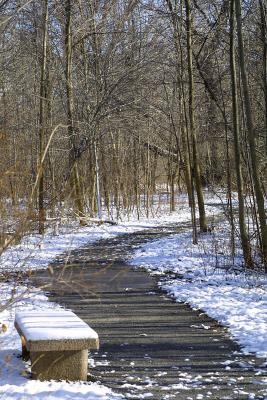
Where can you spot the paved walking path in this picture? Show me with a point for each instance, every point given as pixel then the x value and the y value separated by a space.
pixel 151 347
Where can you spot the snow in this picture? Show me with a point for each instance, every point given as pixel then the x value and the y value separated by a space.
pixel 56 391
pixel 206 280
pixel 53 325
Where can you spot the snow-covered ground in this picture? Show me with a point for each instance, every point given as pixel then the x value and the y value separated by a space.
pixel 36 252
pixel 203 276
pixel 190 273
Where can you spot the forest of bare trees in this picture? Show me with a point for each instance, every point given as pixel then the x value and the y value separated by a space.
pixel 106 103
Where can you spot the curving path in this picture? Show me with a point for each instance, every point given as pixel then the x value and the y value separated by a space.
pixel 151 347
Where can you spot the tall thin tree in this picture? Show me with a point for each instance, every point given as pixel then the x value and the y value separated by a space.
pixel 237 151
pixel 75 182
pixel 263 14
pixel 42 117
pixel 196 165
pixel 251 134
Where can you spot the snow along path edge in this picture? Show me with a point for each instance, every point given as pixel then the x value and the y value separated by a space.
pixel 37 252
pixel 190 274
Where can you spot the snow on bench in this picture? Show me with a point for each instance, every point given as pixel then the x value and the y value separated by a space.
pixel 57 343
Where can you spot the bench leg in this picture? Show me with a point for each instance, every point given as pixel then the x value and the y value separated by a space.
pixel 68 365
pixel 25 352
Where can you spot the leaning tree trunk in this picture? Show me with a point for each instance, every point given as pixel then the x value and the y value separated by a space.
pixel 196 166
pixel 251 137
pixel 236 128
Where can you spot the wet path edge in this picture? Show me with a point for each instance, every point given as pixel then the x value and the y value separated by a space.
pixel 151 346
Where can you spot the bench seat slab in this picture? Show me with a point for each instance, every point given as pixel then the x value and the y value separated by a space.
pixel 55 330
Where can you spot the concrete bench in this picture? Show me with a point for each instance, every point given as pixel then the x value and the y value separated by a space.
pixel 57 343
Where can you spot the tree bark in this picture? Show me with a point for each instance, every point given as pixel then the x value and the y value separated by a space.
pixel 251 135
pixel 263 13
pixel 42 118
pixel 74 178
pixel 196 167
pixel 237 152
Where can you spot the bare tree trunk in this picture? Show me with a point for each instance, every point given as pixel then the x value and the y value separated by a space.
pixel 186 166
pixel 236 128
pixel 187 151
pixel 75 184
pixel 251 136
pixel 99 207
pixel 196 166
pixel 180 73
pixel 42 118
pixel 263 12
pixel 97 75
